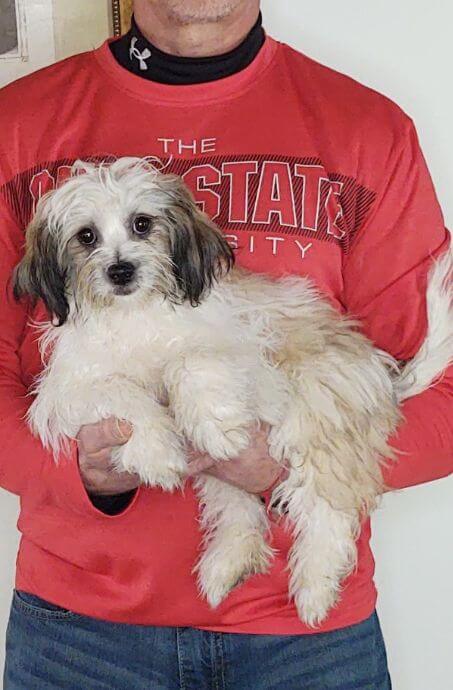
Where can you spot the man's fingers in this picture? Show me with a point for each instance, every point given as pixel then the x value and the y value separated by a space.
pixel 109 483
pixel 99 459
pixel 119 429
pixel 104 434
pixel 198 463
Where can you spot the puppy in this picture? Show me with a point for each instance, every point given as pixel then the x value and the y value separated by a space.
pixel 150 322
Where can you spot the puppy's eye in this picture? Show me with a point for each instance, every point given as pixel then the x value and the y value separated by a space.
pixel 86 236
pixel 142 225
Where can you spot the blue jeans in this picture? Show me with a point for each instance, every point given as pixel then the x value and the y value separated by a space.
pixel 48 648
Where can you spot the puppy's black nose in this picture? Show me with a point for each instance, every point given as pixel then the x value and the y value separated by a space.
pixel 121 273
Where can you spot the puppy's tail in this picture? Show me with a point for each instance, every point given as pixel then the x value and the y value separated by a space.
pixel 436 353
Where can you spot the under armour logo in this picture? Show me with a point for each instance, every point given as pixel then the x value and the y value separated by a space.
pixel 141 56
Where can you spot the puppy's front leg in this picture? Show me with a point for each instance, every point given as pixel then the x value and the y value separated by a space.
pixel 235 525
pixel 155 451
pixel 211 399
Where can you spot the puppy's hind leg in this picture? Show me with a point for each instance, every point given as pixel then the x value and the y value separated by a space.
pixel 235 526
pixel 324 549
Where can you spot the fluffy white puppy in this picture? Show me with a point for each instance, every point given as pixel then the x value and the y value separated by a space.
pixel 150 323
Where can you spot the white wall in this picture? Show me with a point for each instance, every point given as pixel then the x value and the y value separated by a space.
pixel 38 44
pixel 402 49
pixel 55 29
pixel 80 25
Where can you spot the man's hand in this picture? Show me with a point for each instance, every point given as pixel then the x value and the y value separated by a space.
pixel 254 470
pixel 95 443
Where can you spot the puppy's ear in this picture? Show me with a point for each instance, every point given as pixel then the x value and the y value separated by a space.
pixel 199 252
pixel 39 274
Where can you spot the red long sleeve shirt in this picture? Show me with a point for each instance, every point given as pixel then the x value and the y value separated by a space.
pixel 307 172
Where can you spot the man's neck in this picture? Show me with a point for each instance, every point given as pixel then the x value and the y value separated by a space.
pixel 194 39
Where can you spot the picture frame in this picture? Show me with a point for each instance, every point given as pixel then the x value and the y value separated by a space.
pixel 121 14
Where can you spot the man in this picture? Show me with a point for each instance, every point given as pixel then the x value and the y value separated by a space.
pixel 306 172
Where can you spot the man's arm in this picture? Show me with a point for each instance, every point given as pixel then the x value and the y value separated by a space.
pixel 22 457
pixel 23 460
pixel 385 279
pixel 424 441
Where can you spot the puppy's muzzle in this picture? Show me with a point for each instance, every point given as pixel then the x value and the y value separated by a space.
pixel 121 273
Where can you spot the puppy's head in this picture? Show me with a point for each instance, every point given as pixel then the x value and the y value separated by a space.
pixel 112 231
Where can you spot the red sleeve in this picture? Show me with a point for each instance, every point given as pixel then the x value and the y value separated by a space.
pixel 385 275
pixel 24 463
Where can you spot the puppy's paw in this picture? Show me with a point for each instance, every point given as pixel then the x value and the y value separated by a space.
pixel 226 443
pixel 280 446
pixel 221 439
pixel 314 602
pixel 288 440
pixel 224 566
pixel 158 460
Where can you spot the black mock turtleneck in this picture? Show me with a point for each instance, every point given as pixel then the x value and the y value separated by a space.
pixel 135 53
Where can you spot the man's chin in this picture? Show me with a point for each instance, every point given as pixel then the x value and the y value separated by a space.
pixel 206 12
